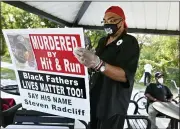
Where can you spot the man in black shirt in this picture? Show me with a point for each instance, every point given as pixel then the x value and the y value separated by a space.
pixel 156 92
pixel 115 63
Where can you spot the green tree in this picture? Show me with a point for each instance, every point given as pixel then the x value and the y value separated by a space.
pixel 163 55
pixel 160 51
pixel 95 35
pixel 15 18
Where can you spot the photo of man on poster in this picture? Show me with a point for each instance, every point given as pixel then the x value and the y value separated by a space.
pixel 22 51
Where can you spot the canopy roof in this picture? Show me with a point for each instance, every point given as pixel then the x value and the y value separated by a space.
pixel 141 17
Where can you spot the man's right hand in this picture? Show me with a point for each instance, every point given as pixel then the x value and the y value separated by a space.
pixel 87 57
pixel 151 98
pixel 169 100
pixel 155 100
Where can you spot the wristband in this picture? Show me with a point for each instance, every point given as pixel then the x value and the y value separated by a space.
pixel 99 65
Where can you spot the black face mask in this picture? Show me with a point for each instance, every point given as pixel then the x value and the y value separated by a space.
pixel 111 29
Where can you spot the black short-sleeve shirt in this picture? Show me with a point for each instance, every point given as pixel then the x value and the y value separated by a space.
pixel 109 97
pixel 158 91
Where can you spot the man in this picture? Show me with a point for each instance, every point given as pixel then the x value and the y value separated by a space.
pixel 22 52
pixel 115 64
pixel 156 92
pixel 147 74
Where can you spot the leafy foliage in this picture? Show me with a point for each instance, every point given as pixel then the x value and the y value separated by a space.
pixel 15 18
pixel 160 51
pixel 163 55
pixel 95 35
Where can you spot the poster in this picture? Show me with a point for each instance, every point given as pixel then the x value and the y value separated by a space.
pixel 50 78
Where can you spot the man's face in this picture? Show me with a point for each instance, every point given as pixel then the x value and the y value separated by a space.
pixel 112 18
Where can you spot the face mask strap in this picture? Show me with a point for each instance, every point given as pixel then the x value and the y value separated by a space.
pixel 117 26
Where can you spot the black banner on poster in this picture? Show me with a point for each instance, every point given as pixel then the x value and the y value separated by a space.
pixel 56 84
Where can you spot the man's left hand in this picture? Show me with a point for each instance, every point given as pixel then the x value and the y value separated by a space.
pixel 169 100
pixel 86 57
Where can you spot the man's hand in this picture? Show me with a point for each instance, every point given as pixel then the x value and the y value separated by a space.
pixel 151 98
pixel 169 100
pixel 86 57
pixel 157 100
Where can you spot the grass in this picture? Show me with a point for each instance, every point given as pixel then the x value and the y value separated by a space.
pixel 139 86
pixel 6 59
pixel 8 74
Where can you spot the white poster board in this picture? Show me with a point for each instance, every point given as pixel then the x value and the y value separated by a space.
pixel 50 78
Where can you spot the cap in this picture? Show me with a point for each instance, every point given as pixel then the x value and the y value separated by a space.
pixel 158 74
pixel 119 11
